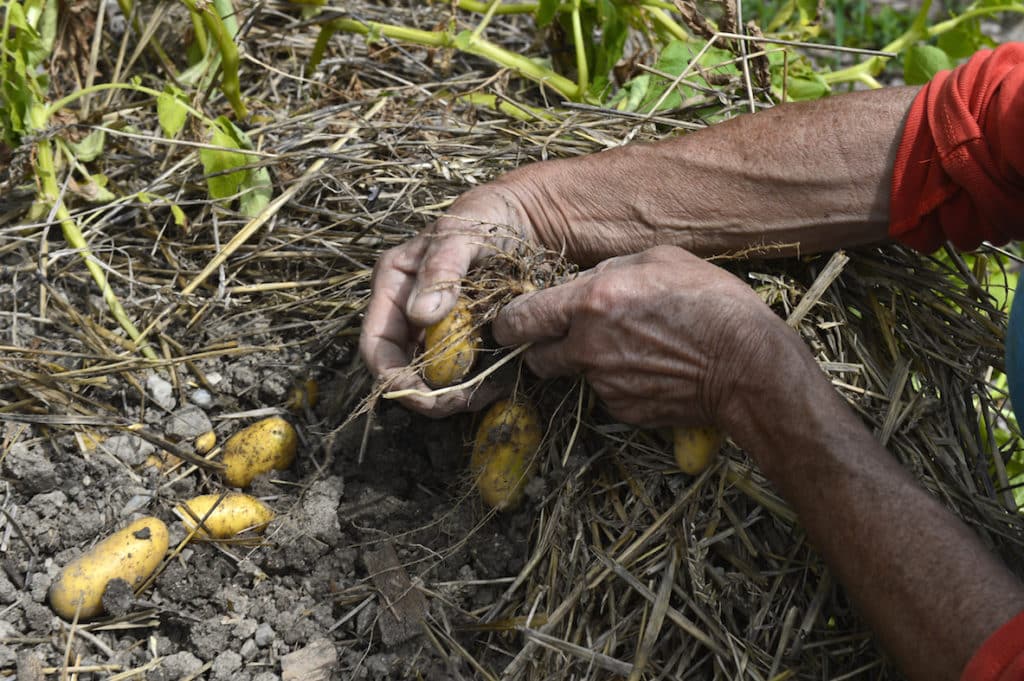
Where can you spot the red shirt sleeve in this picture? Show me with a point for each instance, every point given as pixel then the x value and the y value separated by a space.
pixel 1001 657
pixel 959 170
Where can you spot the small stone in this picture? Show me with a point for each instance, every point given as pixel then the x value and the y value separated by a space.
pixel 264 635
pixel 187 423
pixel 201 397
pixel 161 391
pixel 226 664
pixel 136 504
pixel 249 649
pixel 130 449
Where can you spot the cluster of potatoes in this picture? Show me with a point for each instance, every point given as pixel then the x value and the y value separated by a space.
pixel 134 552
pixel 510 433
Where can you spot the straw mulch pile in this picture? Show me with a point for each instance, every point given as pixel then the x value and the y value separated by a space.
pixel 616 566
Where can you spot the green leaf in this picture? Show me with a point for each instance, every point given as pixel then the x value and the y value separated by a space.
pixel 963 40
pixel 218 163
pixel 89 147
pixel 171 110
pixel 179 215
pixel 546 10
pixel 463 41
pixel 257 190
pixel 921 62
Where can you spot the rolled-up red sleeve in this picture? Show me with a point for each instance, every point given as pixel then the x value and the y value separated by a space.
pixel 959 170
pixel 1001 657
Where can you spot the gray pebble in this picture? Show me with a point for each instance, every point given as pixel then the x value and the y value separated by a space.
pixel 201 397
pixel 8 592
pixel 161 391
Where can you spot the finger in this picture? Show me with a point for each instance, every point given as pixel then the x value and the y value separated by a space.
pixel 445 262
pixel 540 315
pixel 385 336
pixel 557 358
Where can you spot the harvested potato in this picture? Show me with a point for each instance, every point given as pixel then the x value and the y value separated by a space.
pixel 304 395
pixel 695 447
pixel 235 514
pixel 205 442
pixel 504 452
pixel 450 347
pixel 130 554
pixel 264 446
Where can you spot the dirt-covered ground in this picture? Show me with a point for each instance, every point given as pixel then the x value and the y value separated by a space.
pixel 382 563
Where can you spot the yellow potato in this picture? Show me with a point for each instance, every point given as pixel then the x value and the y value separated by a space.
pixel 505 452
pixel 304 395
pixel 450 347
pixel 695 447
pixel 205 442
pixel 266 445
pixel 130 554
pixel 235 514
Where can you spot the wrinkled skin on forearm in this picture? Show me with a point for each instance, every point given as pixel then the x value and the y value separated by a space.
pixel 798 178
pixel 665 338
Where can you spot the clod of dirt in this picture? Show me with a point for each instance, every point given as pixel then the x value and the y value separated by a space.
pixel 129 449
pixel 264 635
pixel 226 664
pixel 187 423
pixel 118 597
pixel 178 666
pixel 30 468
pixel 320 510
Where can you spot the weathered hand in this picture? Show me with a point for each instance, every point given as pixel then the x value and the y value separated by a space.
pixel 663 337
pixel 416 284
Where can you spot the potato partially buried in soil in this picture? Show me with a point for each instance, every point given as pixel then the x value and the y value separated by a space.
pixel 450 347
pixel 695 448
pixel 131 554
pixel 235 514
pixel 264 446
pixel 505 452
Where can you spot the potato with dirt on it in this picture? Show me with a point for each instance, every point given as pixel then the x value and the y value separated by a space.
pixel 235 514
pixel 205 443
pixel 131 554
pixel 264 446
pixel 505 452
pixel 450 347
pixel 696 447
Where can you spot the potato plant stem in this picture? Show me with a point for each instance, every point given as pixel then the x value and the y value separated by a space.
pixel 483 48
pixel 50 194
pixel 582 72
pixel 866 70
pixel 223 36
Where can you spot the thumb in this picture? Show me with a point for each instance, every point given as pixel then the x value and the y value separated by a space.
pixel 438 281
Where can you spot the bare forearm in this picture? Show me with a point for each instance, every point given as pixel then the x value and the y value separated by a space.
pixel 922 579
pixel 797 178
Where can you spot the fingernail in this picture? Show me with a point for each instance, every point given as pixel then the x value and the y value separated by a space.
pixel 425 304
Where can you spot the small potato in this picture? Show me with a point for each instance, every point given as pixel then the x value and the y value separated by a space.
pixel 205 442
pixel 304 395
pixel 695 447
pixel 235 514
pixel 450 347
pixel 266 445
pixel 130 554
pixel 505 452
